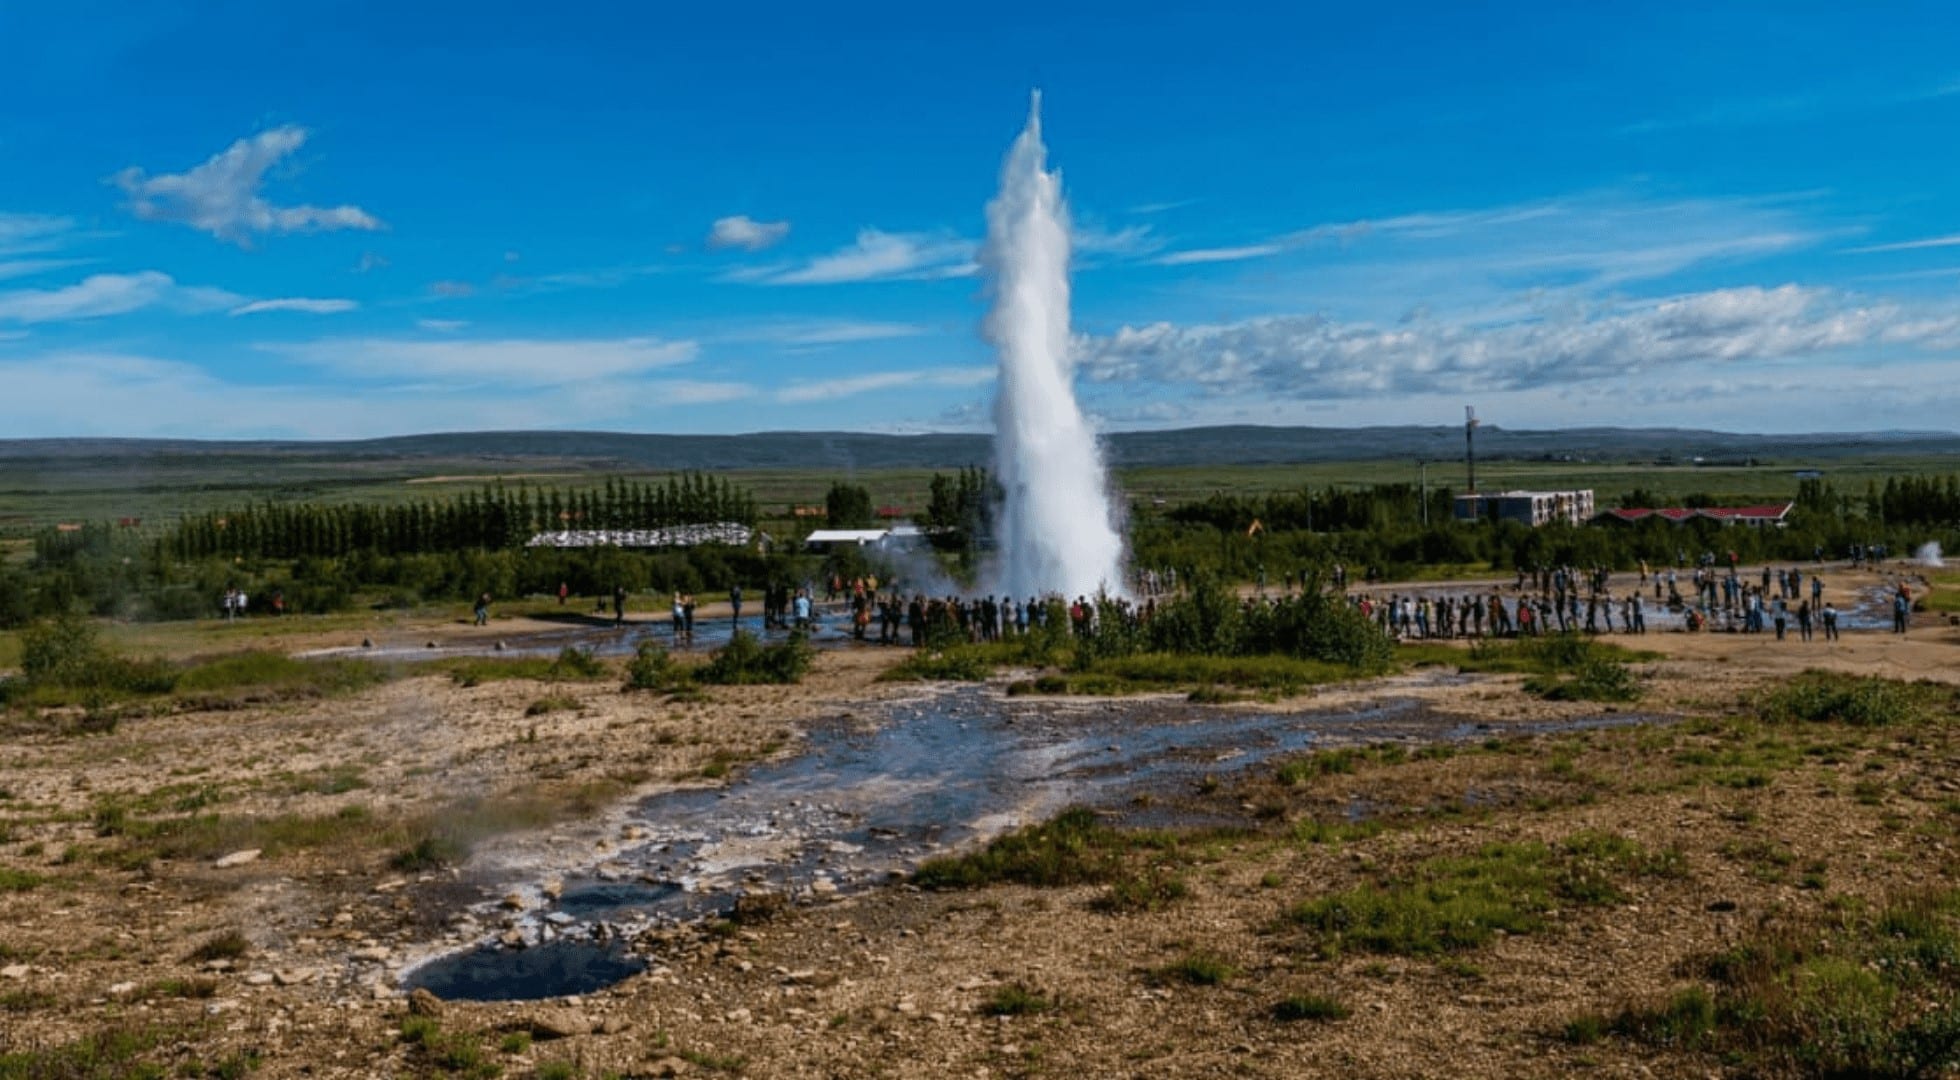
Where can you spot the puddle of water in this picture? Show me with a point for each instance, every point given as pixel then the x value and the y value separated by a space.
pixel 555 969
pixel 864 803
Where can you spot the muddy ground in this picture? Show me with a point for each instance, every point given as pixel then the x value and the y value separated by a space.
pixel 286 963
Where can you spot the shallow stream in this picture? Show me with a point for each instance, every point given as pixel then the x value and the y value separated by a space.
pixel 868 800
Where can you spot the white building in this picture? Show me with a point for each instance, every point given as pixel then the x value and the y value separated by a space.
pixel 1533 508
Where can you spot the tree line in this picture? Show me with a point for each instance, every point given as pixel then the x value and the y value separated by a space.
pixel 495 518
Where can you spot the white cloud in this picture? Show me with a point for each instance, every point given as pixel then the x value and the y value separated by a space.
pixel 513 361
pixel 1216 255
pixel 743 231
pixel 1308 357
pixel 853 385
pixel 101 295
pixel 1952 240
pixel 222 196
pixel 1129 240
pixel 825 332
pixel 452 289
pixel 24 234
pixel 443 326
pixel 304 304
pixel 13 268
pixel 876 256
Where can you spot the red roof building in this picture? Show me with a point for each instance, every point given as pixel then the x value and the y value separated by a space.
pixel 1772 515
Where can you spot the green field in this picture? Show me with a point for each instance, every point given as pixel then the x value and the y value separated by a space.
pixel 33 499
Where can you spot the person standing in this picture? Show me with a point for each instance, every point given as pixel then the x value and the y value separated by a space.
pixel 735 604
pixel 564 593
pixel 1830 622
pixel 483 610
pixel 619 603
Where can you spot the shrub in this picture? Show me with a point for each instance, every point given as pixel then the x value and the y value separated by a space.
pixel 575 663
pixel 652 668
pixel 745 661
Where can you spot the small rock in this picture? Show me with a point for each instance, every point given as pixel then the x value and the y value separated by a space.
pixel 423 1002
pixel 14 971
pixel 512 939
pixel 1722 906
pixel 613 1025
pixel 259 978
pixel 554 888
pixel 122 989
pixel 738 1016
pixel 238 858
pixel 367 643
pixel 558 1023
pixel 514 901
pixel 377 953
pixel 392 885
pixel 668 1066
pixel 559 918
pixel 295 976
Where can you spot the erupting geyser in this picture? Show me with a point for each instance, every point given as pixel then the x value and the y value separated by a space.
pixel 1056 532
pixel 1929 555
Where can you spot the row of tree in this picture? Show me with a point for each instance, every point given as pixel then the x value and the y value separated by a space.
pixel 495 518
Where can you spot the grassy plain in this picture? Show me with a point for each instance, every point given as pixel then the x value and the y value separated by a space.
pixel 40 497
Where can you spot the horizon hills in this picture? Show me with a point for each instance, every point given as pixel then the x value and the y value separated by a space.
pixel 1243 444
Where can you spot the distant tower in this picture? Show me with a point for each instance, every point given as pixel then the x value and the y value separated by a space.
pixel 1470 443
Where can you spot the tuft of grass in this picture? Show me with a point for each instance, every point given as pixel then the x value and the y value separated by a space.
pixel 517 1042
pixel 431 851
pixel 552 703
pixel 229 945
pixel 1199 968
pixel 1860 701
pixel 122 1050
pixel 1295 1007
pixel 1016 999
pixel 1452 903
pixel 12 880
pixel 556 1070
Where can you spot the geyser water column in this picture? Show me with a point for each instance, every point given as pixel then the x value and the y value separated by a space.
pixel 1056 529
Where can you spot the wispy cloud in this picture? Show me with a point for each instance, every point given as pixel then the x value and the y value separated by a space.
pixel 101 295
pixel 307 305
pixel 452 289
pixel 512 361
pixel 28 234
pixel 15 268
pixel 442 326
pixel 1218 255
pixel 222 195
pixel 1130 240
pixel 1949 240
pixel 744 232
pixel 853 385
pixel 875 256
pixel 823 332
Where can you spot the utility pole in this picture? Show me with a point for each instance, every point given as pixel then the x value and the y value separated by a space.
pixel 1422 469
pixel 1470 444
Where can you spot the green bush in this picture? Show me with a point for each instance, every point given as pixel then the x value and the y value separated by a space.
pixel 576 664
pixel 745 661
pixel 652 668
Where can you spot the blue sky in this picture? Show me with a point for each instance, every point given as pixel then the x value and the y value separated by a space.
pixel 340 220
